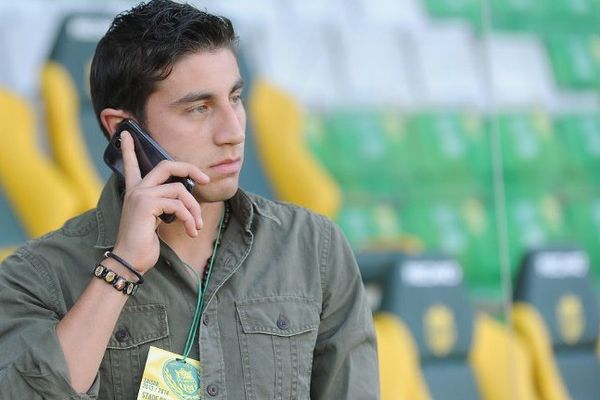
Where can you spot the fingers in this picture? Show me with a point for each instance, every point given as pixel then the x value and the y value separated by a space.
pixel 170 198
pixel 165 169
pixel 172 206
pixel 178 192
pixel 131 169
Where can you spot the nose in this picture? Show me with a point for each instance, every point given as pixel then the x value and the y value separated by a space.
pixel 232 125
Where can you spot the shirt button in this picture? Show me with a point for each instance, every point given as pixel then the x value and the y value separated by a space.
pixel 283 323
pixel 212 390
pixel 121 335
pixel 205 319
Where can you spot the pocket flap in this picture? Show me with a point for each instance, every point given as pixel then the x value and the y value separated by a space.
pixel 281 315
pixel 138 325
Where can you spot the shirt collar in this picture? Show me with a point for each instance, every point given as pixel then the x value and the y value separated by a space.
pixel 108 211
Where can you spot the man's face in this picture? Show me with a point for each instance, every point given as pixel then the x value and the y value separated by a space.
pixel 197 116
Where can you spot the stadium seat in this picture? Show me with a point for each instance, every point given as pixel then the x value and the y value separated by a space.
pixel 74 135
pixel 365 150
pixel 297 57
pixel 425 294
pixel 582 212
pixel 556 311
pixel 531 149
pixel 521 78
pixel 39 193
pixel 459 221
pixel 536 217
pixel 574 60
pixel 408 15
pixel 399 371
pixel 375 66
pixel 580 135
pixel 501 362
pixel 445 50
pixel 463 355
pixel 294 173
pixel 452 144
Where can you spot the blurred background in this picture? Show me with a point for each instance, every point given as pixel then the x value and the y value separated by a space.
pixel 456 143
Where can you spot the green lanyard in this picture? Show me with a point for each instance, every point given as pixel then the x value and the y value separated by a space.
pixel 196 320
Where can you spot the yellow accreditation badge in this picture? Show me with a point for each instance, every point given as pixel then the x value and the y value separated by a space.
pixel 168 377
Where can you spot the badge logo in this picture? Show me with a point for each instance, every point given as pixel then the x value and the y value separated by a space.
pixel 182 378
pixel 570 318
pixel 440 329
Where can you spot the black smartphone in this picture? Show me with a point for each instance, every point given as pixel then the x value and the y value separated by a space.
pixel 148 153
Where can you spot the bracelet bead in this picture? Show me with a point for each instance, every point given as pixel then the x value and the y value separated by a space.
pixel 115 280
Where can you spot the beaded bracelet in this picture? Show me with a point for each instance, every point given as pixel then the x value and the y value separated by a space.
pixel 110 254
pixel 111 277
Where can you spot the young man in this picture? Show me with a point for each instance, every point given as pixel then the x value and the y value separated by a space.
pixel 277 311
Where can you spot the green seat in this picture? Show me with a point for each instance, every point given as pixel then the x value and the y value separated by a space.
pixel 368 152
pixel 370 226
pixel 574 16
pixel 520 15
pixel 452 144
pixel 582 211
pixel 535 218
pixel 581 135
pixel 531 151
pixel 459 222
pixel 575 60
pixel 544 16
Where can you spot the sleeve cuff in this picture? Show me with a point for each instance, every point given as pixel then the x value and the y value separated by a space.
pixel 44 368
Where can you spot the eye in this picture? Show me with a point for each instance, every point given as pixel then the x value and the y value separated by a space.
pixel 236 98
pixel 199 109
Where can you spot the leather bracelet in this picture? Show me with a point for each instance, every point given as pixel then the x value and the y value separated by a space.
pixel 112 278
pixel 110 254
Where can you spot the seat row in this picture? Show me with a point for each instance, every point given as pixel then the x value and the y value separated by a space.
pixel 434 345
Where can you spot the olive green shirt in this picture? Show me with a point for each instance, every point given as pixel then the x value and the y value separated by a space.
pixel 285 314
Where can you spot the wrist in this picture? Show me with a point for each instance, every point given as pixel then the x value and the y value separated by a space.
pixel 126 264
pixel 119 269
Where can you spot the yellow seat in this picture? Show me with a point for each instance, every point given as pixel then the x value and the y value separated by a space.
pixel 462 354
pixel 557 314
pixel 65 135
pixel 502 366
pixel 399 372
pixel 292 170
pixel 532 329
pixel 41 196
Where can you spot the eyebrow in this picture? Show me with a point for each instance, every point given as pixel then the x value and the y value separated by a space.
pixel 200 96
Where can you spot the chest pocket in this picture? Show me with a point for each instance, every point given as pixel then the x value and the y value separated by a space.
pixel 277 338
pixel 137 328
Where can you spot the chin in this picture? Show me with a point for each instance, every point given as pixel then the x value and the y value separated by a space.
pixel 218 191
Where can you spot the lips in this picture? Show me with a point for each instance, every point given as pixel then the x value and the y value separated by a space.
pixel 227 166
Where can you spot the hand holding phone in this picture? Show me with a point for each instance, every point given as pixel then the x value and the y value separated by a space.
pixel 147 198
pixel 148 153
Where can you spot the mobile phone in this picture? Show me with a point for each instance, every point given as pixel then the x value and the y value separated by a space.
pixel 148 153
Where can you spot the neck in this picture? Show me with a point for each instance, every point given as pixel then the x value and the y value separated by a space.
pixel 192 250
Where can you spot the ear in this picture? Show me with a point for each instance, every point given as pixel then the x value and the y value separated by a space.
pixel 111 117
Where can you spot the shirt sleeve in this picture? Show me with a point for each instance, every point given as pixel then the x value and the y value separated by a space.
pixel 32 363
pixel 345 362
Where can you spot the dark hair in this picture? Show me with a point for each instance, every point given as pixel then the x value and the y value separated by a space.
pixel 141 47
